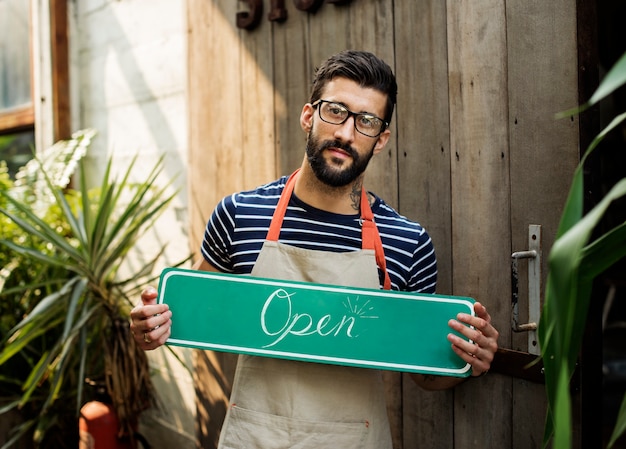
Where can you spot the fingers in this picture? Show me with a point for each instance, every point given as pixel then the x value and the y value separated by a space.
pixel 481 312
pixel 148 306
pixel 150 322
pixel 480 344
pixel 152 338
pixel 149 295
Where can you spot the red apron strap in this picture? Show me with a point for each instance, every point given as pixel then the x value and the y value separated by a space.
pixel 281 208
pixel 370 236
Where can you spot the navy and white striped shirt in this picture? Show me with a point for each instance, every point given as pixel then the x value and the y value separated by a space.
pixel 238 227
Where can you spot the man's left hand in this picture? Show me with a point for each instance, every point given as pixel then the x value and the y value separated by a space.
pixel 481 349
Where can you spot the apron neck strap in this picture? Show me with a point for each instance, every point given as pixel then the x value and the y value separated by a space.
pixel 369 234
pixel 371 237
pixel 281 208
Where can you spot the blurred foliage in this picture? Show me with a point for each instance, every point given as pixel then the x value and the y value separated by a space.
pixel 65 308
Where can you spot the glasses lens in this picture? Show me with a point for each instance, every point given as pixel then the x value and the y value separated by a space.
pixel 368 124
pixel 335 113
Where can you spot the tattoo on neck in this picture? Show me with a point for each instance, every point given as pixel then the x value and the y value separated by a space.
pixel 355 196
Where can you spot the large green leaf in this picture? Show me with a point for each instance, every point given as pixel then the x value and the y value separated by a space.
pixel 565 310
pixel 574 261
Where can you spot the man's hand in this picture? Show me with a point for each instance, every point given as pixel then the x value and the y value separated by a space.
pixel 151 323
pixel 480 351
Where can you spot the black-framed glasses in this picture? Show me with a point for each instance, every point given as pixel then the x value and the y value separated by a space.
pixel 336 114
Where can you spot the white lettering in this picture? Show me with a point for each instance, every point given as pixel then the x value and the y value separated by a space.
pixel 300 324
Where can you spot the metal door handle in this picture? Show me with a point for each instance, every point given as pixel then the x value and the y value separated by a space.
pixel 533 255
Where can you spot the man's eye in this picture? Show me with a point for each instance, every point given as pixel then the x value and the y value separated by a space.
pixel 336 110
pixel 368 121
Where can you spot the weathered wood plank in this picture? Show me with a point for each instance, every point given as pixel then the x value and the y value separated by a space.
pixel 428 417
pixel 215 137
pixel 423 141
pixel 292 81
pixel 541 37
pixel 215 168
pixel 368 27
pixel 424 124
pixel 371 29
pixel 480 198
pixel 258 151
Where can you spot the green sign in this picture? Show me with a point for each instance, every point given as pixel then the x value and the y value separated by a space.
pixel 369 328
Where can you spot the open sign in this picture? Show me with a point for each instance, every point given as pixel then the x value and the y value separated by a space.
pixel 369 328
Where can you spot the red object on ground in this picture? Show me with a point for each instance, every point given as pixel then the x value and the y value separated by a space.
pixel 98 427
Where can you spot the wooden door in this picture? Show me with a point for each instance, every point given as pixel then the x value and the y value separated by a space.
pixel 476 157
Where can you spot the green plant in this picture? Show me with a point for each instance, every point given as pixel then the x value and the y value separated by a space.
pixel 23 284
pixel 24 281
pixel 580 253
pixel 79 328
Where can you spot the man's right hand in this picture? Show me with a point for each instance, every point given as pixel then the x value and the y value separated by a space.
pixel 151 323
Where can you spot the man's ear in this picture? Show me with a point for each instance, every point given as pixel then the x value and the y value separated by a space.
pixel 306 117
pixel 382 141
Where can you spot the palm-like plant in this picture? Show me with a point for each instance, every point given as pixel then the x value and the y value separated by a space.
pixel 79 329
pixel 577 257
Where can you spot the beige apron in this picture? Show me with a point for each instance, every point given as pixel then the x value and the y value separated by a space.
pixel 285 404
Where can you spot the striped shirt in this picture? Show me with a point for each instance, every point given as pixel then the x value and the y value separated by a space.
pixel 238 227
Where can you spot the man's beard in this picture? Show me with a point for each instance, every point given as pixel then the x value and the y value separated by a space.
pixel 330 175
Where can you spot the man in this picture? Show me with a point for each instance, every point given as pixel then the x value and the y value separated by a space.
pixel 317 226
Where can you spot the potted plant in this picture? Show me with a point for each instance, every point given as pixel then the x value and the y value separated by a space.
pixel 76 327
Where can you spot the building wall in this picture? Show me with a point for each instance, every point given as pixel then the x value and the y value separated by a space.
pixel 128 77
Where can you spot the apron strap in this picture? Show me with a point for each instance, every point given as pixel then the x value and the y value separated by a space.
pixel 281 208
pixel 370 235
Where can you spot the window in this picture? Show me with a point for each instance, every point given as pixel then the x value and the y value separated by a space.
pixel 17 127
pixel 18 120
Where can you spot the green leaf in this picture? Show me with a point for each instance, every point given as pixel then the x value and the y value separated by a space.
pixel 77 294
pixel 563 435
pixel 83 348
pixel 45 305
pixel 604 252
pixel 620 425
pixel 567 297
pixel 574 261
pixel 34 254
pixel 573 209
pixel 36 375
pixel 8 407
pixel 18 432
pixel 615 78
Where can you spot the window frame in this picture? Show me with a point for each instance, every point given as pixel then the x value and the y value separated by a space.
pixel 16 119
pixel 55 43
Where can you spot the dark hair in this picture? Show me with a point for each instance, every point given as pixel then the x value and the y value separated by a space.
pixel 362 67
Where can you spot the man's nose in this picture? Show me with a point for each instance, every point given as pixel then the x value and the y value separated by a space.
pixel 346 131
